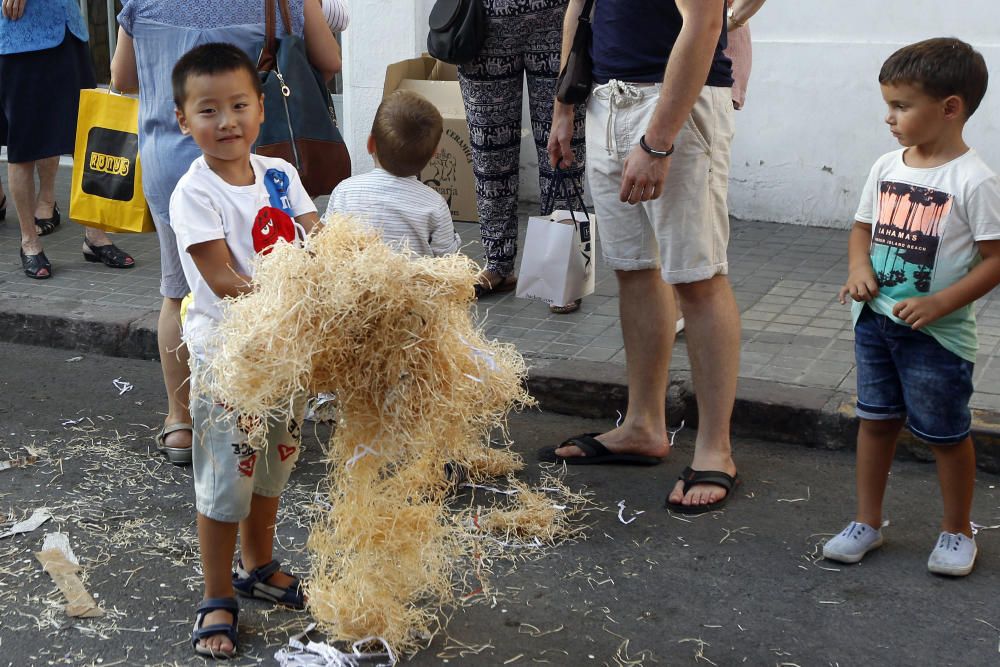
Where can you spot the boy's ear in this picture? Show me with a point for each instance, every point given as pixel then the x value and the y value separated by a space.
pixel 371 144
pixel 261 102
pixel 182 121
pixel 954 107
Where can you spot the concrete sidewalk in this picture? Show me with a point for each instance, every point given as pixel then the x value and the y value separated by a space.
pixel 797 360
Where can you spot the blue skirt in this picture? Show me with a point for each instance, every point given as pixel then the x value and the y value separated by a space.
pixel 40 98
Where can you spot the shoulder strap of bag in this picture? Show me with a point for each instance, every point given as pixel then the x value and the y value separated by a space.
pixel 265 62
pixel 588 10
pixel 269 53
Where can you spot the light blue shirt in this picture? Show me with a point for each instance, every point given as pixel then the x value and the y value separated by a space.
pixel 161 33
pixel 43 26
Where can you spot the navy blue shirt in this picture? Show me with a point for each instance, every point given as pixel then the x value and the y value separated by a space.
pixel 633 40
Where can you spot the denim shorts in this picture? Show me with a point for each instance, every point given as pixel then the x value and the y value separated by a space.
pixel 904 373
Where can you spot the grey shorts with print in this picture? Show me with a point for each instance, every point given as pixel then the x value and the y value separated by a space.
pixel 227 471
pixel 685 232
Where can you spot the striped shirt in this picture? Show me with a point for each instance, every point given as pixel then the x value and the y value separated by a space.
pixel 407 212
pixel 337 15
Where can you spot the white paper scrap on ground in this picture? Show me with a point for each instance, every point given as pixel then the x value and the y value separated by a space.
pixel 60 541
pixel 319 654
pixel 18 463
pixel 122 385
pixel 57 563
pixel 37 518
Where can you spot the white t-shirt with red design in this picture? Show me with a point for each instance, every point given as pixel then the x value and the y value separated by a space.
pixel 249 218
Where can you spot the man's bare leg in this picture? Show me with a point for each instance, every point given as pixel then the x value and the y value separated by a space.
pixel 648 318
pixel 712 322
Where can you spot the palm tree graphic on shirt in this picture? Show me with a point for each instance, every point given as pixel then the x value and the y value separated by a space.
pixel 908 233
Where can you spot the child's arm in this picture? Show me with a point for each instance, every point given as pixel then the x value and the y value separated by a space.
pixel 919 311
pixel 215 263
pixel 308 221
pixel 861 284
pixel 444 238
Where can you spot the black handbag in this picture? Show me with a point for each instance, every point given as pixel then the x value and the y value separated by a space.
pixel 575 79
pixel 300 125
pixel 457 30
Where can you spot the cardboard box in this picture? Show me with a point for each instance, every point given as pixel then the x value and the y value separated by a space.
pixel 450 171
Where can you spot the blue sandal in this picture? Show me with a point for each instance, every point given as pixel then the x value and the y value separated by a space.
pixel 253 584
pixel 204 632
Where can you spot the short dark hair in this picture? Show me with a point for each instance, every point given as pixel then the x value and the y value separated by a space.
pixel 407 130
pixel 942 67
pixel 211 58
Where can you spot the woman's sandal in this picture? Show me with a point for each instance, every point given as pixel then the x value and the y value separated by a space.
pixel 508 284
pixel 253 584
pixel 46 226
pixel 3 208
pixel 201 631
pixel 33 265
pixel 179 456
pixel 571 307
pixel 111 255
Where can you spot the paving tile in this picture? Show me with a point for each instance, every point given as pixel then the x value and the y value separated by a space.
pixel 594 353
pixel 784 328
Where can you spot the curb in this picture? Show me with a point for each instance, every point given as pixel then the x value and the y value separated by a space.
pixel 807 416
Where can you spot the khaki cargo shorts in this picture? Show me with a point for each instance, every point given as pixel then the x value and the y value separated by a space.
pixel 685 232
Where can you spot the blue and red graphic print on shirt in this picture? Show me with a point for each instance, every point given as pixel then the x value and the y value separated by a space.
pixel 275 221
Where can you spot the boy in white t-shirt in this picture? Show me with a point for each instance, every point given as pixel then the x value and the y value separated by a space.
pixel 410 214
pixel 925 246
pixel 229 206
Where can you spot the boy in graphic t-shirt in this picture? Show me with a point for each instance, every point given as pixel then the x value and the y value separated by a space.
pixel 925 245
pixel 230 206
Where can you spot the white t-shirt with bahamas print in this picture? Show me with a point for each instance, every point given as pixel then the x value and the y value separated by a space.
pixel 925 224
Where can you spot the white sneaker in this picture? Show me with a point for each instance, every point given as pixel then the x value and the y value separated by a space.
pixel 851 545
pixel 954 555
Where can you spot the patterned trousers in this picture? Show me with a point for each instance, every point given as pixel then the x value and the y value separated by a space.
pixel 524 38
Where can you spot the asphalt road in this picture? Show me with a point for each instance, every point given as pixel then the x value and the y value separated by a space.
pixel 743 586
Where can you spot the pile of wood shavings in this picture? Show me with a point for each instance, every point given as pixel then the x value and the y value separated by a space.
pixel 417 387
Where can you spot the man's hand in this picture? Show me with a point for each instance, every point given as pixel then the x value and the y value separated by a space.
pixel 560 145
pixel 643 176
pixel 919 311
pixel 13 9
pixel 860 286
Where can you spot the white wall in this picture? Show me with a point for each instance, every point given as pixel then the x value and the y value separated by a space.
pixel 381 32
pixel 812 125
pixel 813 122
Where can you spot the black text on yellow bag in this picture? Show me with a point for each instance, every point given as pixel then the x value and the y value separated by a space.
pixel 107 180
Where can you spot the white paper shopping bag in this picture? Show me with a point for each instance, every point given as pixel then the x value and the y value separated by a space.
pixel 558 261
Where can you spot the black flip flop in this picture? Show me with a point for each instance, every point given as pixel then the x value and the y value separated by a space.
pixel 692 477
pixel 595 453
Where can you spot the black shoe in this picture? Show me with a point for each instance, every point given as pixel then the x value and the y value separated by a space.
pixel 3 208
pixel 33 265
pixel 111 255
pixel 48 225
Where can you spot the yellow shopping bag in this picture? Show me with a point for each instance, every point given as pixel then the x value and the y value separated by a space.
pixel 107 180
